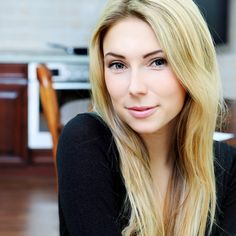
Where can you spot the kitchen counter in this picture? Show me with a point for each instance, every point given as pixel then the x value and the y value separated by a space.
pixel 40 56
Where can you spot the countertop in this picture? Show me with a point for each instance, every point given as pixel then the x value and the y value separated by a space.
pixel 42 56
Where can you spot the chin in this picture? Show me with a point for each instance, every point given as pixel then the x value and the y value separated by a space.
pixel 144 129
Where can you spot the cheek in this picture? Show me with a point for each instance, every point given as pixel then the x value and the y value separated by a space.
pixel 116 87
pixel 170 88
pixel 178 92
pixel 177 97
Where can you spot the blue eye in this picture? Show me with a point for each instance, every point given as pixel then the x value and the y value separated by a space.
pixel 159 62
pixel 117 66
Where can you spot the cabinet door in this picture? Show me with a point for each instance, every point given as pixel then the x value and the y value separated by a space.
pixel 13 120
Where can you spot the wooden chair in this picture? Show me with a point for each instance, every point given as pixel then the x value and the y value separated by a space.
pixel 50 106
pixel 231 120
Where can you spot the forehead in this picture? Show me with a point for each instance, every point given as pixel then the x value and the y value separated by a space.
pixel 130 35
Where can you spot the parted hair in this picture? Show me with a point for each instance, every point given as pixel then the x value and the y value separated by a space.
pixel 183 35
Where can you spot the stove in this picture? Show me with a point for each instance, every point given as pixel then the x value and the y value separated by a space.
pixel 70 80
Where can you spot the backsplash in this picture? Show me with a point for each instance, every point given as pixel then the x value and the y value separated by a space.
pixel 30 24
pixel 27 25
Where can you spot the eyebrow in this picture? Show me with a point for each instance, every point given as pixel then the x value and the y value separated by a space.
pixel 152 53
pixel 144 56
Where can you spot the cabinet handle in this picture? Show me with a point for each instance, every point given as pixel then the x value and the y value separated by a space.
pixel 14 81
pixel 8 95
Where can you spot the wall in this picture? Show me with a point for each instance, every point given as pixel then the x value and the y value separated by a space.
pixel 227 57
pixel 30 24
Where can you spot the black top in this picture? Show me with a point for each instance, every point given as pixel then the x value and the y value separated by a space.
pixel 91 190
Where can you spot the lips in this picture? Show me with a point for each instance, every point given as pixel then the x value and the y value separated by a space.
pixel 142 111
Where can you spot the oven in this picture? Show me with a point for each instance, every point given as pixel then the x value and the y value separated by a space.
pixel 70 80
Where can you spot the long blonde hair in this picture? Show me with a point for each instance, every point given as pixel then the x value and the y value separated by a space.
pixel 184 37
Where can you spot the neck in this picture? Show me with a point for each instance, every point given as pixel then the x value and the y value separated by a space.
pixel 161 153
pixel 160 147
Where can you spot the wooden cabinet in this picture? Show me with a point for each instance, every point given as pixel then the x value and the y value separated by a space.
pixel 13 114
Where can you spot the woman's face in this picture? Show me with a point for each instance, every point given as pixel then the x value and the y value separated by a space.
pixel 143 88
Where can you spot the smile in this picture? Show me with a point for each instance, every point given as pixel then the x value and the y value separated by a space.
pixel 142 112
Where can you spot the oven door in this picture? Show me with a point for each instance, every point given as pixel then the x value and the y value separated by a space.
pixel 73 98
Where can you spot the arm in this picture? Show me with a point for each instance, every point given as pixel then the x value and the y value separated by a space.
pixel 87 201
pixel 227 219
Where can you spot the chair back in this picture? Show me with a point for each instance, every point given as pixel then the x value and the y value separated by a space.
pixel 231 116
pixel 50 106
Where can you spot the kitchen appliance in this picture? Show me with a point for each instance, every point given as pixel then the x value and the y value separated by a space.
pixel 70 80
pixel 69 50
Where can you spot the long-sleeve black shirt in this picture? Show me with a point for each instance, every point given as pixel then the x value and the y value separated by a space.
pixel 91 190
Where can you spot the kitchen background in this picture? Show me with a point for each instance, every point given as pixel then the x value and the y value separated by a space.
pixel 27 183
pixel 28 25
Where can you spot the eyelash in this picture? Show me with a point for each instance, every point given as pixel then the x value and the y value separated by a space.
pixel 114 65
pixel 160 63
pixel 161 60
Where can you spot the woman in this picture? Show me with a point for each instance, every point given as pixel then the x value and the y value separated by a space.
pixel 143 162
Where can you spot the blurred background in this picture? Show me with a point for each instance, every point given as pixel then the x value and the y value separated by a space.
pixel 56 33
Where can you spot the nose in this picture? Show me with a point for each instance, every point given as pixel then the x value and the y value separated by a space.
pixel 137 85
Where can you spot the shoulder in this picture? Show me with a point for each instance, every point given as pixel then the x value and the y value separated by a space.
pixel 225 171
pixel 85 127
pixel 84 136
pixel 225 167
pixel 86 139
pixel 225 156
